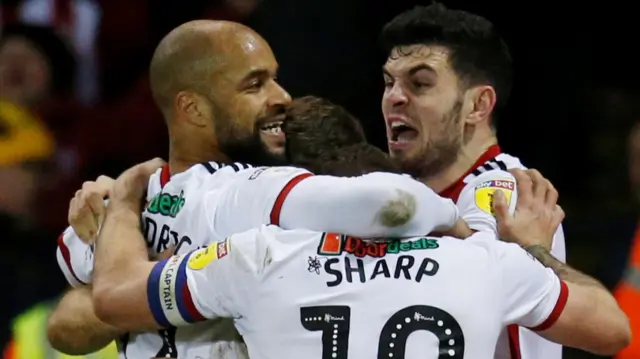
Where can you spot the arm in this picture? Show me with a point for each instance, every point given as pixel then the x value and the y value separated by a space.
pixel 591 320
pixel 121 271
pixel 139 295
pixel 74 329
pixel 376 204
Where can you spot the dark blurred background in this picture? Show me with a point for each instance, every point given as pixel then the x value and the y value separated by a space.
pixel 575 101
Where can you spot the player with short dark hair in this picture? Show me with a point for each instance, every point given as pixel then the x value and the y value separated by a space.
pixel 447 78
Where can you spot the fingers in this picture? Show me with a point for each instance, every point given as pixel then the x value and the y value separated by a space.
pixel 92 198
pixel 540 185
pixel 500 206
pixel 87 208
pixel 558 215
pixel 525 188
pixel 106 183
pixel 149 167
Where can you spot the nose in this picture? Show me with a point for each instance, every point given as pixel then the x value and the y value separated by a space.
pixel 395 96
pixel 279 96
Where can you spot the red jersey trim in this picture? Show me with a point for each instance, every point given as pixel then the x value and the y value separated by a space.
pixel 453 191
pixel 66 254
pixel 165 175
pixel 557 310
pixel 277 206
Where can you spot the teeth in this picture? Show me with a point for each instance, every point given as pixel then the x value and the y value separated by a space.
pixel 398 124
pixel 272 126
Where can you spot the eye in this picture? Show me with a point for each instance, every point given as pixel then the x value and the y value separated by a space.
pixel 255 85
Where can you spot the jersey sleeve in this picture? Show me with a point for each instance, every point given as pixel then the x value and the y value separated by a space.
pixel 475 205
pixel 208 283
pixel 75 258
pixel 534 296
pixel 475 200
pixel 253 198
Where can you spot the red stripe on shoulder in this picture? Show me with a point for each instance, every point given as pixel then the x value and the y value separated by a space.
pixel 66 254
pixel 277 206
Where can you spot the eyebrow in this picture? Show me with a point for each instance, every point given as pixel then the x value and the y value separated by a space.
pixel 256 74
pixel 412 70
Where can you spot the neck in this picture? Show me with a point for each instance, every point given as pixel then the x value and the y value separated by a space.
pixel 469 155
pixel 184 154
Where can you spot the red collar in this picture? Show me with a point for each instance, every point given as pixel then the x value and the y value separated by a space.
pixel 165 175
pixel 453 191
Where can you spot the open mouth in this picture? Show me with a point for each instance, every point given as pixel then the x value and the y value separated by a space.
pixel 401 132
pixel 273 128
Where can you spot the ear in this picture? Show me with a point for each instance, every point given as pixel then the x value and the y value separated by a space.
pixel 481 100
pixel 192 108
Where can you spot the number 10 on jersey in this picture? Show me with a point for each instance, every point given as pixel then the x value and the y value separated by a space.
pixel 334 323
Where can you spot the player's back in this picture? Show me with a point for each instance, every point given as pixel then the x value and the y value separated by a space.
pixel 347 298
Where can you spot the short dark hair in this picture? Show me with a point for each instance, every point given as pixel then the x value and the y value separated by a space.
pixel 478 53
pixel 326 139
pixel 353 160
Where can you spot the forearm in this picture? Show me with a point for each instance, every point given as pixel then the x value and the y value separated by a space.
pixel 121 273
pixel 73 327
pixel 591 320
pixel 119 248
pixel 374 205
pixel 563 270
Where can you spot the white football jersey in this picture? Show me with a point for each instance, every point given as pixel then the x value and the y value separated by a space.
pixel 209 202
pixel 212 339
pixel 303 294
pixel 473 196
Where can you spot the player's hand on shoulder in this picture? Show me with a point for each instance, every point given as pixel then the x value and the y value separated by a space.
pixel 537 215
pixel 87 208
pixel 131 185
pixel 459 230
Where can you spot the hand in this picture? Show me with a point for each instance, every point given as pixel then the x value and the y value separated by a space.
pixel 459 230
pixel 537 216
pixel 131 185
pixel 87 208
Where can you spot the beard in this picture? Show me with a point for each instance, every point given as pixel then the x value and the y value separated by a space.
pixel 438 154
pixel 248 148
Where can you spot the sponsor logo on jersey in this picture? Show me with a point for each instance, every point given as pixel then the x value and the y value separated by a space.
pixel 333 244
pixel 202 257
pixel 223 248
pixel 485 190
pixel 166 204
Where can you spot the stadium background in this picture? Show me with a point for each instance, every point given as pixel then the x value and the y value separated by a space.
pixel 574 102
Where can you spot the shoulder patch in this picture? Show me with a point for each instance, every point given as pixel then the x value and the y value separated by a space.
pixel 203 256
pixel 485 190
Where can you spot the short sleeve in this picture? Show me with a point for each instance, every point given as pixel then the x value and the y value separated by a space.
pixel 475 200
pixel 533 295
pixel 208 283
pixel 256 195
pixel 75 258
